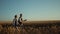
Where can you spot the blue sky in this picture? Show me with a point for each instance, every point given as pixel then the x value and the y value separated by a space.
pixel 31 9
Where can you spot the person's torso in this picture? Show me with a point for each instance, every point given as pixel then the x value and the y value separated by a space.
pixel 20 19
pixel 15 21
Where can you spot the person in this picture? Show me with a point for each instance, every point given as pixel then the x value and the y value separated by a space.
pixel 15 21
pixel 20 20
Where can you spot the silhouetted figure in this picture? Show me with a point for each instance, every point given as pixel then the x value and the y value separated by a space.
pixel 15 21
pixel 20 19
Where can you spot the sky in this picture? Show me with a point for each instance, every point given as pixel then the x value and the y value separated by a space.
pixel 31 9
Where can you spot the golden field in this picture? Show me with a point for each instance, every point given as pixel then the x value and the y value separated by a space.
pixel 31 27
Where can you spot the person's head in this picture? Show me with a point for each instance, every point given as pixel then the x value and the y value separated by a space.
pixel 20 15
pixel 15 16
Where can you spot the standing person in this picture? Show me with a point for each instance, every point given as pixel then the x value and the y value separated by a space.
pixel 15 21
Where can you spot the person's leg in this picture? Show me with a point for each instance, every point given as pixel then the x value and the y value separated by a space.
pixel 16 25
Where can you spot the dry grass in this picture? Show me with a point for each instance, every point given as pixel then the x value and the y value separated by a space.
pixel 32 28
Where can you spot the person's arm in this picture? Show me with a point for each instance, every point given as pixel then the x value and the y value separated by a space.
pixel 25 20
pixel 21 20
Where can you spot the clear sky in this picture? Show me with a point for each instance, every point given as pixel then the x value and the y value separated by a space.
pixel 31 9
